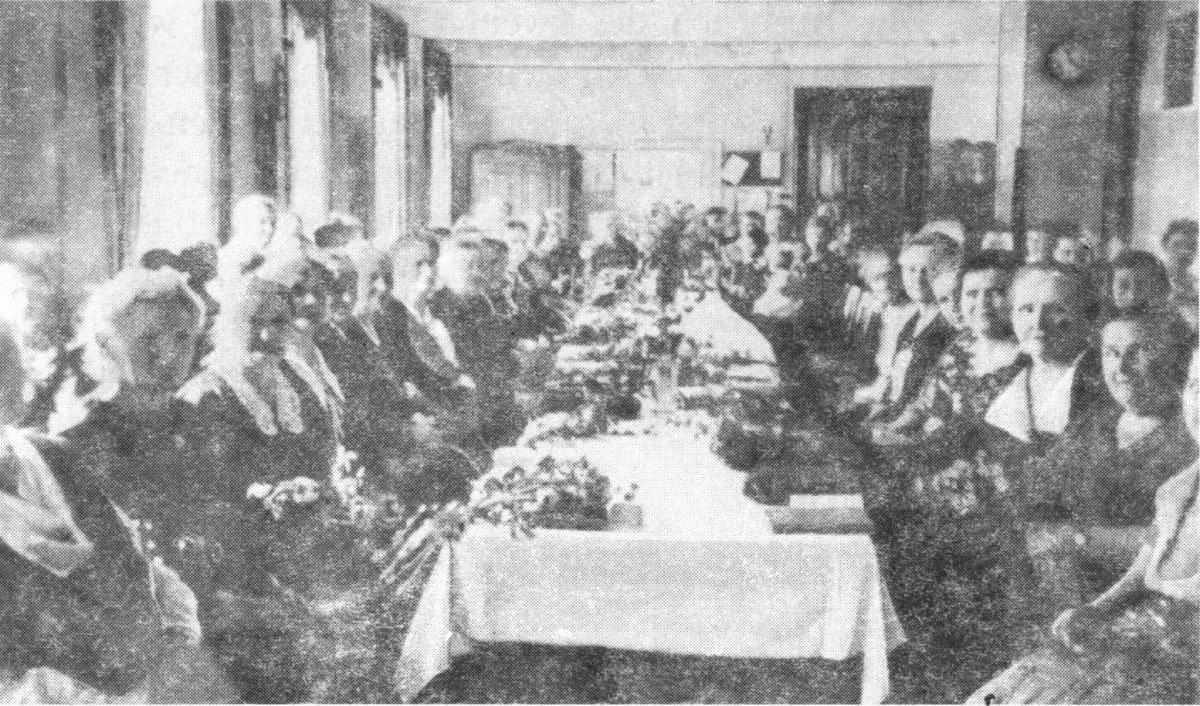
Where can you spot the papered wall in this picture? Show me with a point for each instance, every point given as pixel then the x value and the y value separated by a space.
pixel 627 108
pixel 1165 181
pixel 1063 131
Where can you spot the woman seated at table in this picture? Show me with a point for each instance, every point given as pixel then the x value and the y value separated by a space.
pixel 1097 483
pixel 919 343
pixel 145 449
pixel 1054 317
pixel 267 420
pixel 1137 641
pixel 85 616
pixel 440 403
pixel 478 312
pixel 975 366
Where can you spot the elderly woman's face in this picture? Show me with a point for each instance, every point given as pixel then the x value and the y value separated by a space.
pixel 945 291
pixel 1071 251
pixel 1137 368
pixel 984 303
pixel 271 322
pixel 914 273
pixel 311 297
pixel 414 270
pixel 1038 246
pixel 1048 316
pixel 157 339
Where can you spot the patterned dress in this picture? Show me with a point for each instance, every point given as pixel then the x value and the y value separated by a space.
pixel 1142 650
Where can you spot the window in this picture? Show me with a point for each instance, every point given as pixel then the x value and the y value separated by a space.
pixel 176 200
pixel 390 94
pixel 1179 73
pixel 307 173
pixel 437 80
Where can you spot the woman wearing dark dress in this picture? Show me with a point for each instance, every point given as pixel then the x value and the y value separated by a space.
pixel 1137 642
pixel 961 541
pixel 85 616
pixel 440 403
pixel 1098 483
pixel 270 409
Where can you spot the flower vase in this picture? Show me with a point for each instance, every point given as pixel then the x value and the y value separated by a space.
pixel 625 516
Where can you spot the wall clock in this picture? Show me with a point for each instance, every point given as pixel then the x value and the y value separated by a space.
pixel 1070 62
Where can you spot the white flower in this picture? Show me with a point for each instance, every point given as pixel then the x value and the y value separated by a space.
pixel 259 491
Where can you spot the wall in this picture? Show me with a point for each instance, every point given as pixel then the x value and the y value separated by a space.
pixel 49 130
pixel 1165 183
pixel 1064 127
pixel 698 107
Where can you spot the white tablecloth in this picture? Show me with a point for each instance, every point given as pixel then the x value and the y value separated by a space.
pixel 705 576
pixel 787 596
pixel 683 487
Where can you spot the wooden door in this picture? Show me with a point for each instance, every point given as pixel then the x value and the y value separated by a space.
pixel 867 148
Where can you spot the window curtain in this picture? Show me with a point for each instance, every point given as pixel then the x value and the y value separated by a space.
pixel 108 17
pixel 176 207
pixel 307 114
pixel 437 84
pixel 390 96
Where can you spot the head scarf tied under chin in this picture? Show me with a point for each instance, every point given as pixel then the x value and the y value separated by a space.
pixel 106 364
pixel 35 519
pixel 257 380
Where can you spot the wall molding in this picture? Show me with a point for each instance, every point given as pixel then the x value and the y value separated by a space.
pixel 747 55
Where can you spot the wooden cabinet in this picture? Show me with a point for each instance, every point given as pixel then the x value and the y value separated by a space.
pixel 527 175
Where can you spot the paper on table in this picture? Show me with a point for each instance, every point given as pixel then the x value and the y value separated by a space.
pixel 734 169
pixel 770 165
pixel 842 500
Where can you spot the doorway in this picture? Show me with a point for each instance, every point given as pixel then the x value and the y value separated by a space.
pixel 868 149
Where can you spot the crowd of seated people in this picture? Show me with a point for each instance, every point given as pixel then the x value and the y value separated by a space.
pixel 1015 424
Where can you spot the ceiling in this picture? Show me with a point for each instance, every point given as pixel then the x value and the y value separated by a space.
pixel 830 23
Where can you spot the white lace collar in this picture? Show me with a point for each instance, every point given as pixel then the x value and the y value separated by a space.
pixel 1010 411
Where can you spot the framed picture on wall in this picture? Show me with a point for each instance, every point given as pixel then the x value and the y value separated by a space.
pixel 1179 72
pixel 747 168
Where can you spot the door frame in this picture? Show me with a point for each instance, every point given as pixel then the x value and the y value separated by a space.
pixel 921 97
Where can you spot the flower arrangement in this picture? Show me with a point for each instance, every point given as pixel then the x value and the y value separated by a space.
pixel 552 493
pixel 965 485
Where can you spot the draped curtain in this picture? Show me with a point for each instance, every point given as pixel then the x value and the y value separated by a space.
pixel 307 114
pixel 390 97
pixel 438 110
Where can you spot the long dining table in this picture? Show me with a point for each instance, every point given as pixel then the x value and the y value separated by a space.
pixel 706 574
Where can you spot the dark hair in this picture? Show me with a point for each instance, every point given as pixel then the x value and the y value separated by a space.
pixel 1059 229
pixel 1184 226
pixel 1144 261
pixel 336 234
pixel 1167 331
pixel 1001 260
pixel 159 258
